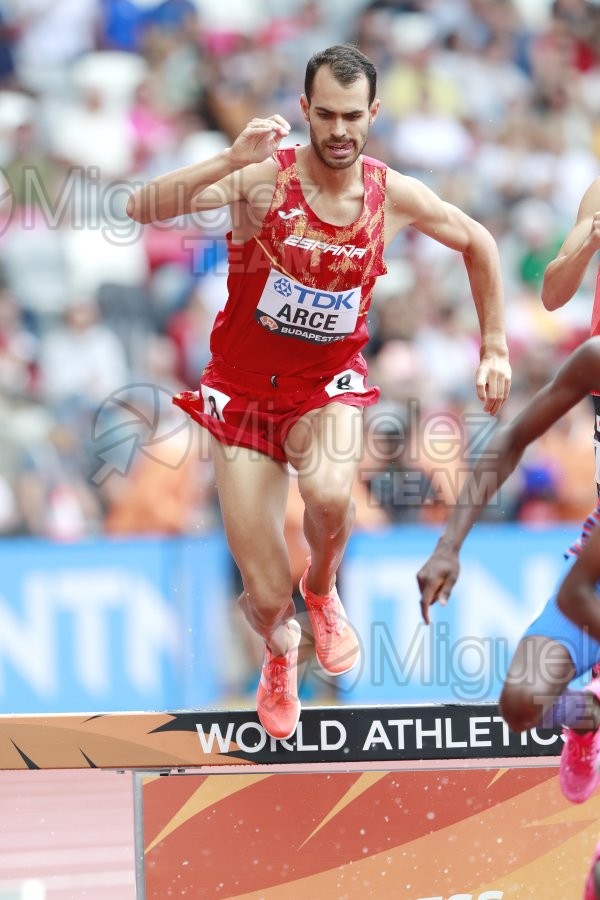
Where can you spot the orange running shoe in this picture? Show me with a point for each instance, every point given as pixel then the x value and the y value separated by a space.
pixel 336 643
pixel 277 702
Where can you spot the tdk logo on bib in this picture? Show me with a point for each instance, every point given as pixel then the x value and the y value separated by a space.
pixel 283 287
pixel 303 312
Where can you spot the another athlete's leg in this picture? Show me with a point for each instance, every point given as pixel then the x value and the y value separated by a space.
pixel 539 673
pixel 578 775
pixel 536 693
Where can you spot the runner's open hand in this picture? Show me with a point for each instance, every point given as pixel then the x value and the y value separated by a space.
pixel 259 140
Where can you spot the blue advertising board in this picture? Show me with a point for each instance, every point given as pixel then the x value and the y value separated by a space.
pixel 110 624
pixel 507 573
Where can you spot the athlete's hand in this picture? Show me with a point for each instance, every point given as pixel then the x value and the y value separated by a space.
pixel 259 140
pixel 437 578
pixel 493 380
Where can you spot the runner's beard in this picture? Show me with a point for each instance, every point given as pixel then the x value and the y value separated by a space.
pixel 327 159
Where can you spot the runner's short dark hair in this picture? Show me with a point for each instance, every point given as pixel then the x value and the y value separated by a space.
pixel 347 64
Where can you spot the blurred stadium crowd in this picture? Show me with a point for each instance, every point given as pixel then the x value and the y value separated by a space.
pixel 494 103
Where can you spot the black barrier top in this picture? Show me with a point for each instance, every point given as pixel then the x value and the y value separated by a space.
pixel 368 734
pixel 187 739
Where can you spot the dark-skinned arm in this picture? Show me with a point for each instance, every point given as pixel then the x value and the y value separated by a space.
pixel 574 380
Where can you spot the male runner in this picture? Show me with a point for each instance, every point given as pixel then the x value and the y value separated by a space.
pixel 287 378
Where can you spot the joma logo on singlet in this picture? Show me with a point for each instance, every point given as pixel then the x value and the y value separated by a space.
pixel 292 213
pixel 349 250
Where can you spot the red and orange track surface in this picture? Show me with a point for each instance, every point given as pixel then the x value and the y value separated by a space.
pixel 66 836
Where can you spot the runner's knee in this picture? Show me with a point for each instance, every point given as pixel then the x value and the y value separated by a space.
pixel 266 600
pixel 330 503
pixel 520 708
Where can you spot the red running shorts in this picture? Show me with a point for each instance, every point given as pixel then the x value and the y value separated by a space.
pixel 247 409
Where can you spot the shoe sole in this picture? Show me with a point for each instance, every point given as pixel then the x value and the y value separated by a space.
pixel 335 674
pixel 287 736
pixel 574 797
pixel 320 664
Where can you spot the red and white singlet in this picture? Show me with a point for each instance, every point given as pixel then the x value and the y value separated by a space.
pixel 300 289
pixel 290 336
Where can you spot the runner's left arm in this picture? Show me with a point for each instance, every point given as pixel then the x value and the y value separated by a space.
pixel 411 202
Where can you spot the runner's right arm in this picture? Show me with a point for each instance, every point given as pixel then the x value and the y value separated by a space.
pixel 211 184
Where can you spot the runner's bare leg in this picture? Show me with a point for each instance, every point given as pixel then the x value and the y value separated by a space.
pixel 325 447
pixel 253 492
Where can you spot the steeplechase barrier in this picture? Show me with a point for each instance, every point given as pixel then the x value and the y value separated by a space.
pixel 436 802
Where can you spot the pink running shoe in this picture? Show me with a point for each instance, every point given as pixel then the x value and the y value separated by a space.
pixel 589 892
pixel 578 775
pixel 336 643
pixel 277 702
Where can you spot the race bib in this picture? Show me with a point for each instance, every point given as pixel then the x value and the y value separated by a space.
pixel 348 382
pixel 214 402
pixel 291 309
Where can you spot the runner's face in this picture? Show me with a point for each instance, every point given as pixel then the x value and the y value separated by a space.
pixel 339 117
